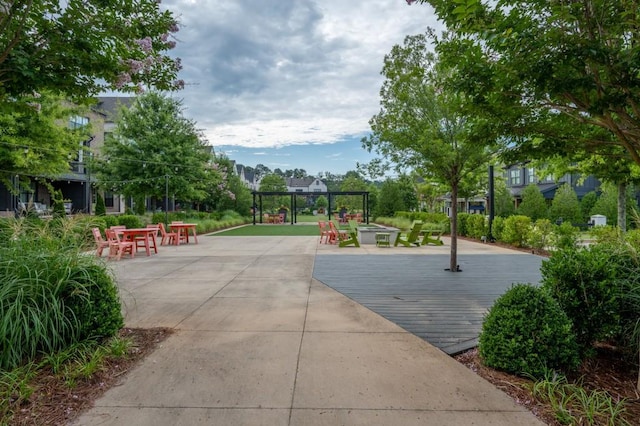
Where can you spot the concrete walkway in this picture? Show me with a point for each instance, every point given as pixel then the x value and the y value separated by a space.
pixel 258 341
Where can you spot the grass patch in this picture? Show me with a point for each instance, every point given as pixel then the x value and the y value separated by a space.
pixel 271 230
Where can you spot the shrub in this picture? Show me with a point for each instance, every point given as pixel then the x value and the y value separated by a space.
pixel 110 221
pixel 477 226
pixel 52 296
pixel 97 309
pixel 496 227
pixel 526 332
pixel 541 235
pixel 516 230
pixel 101 209
pixel 567 236
pixel 130 221
pixel 463 219
pixel 589 284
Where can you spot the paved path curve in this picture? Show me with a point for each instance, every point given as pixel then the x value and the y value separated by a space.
pixel 258 341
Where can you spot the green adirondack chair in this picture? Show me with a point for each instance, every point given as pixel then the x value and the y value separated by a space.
pixel 352 240
pixel 412 237
pixel 431 233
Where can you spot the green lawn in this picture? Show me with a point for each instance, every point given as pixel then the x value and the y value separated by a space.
pixel 271 230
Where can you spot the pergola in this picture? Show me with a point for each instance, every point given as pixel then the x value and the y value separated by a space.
pixel 257 202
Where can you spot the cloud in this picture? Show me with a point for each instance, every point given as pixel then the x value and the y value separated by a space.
pixel 276 73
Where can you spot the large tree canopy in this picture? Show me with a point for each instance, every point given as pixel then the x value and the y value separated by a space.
pixel 541 67
pixel 153 146
pixel 81 47
pixel 421 124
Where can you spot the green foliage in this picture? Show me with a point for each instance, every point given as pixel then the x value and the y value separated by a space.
pixel 572 404
pixel 65 66
pixel 565 205
pixel 181 158
pixel 526 332
pixel 516 230
pixel 462 224
pixel 322 202
pixel 101 209
pixel 586 205
pixel 440 219
pixel 526 52
pixel 497 227
pixel 589 284
pixel 607 204
pixel 98 310
pixel 35 139
pixel 110 220
pixel 52 296
pixel 533 203
pixel 541 236
pixel 130 221
pixel 139 205
pixel 503 201
pixel 567 236
pixel 389 200
pixel 424 123
pixel 58 209
pixel 477 226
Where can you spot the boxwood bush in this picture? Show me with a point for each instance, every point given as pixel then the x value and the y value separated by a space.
pixel 591 285
pixel 516 230
pixel 526 332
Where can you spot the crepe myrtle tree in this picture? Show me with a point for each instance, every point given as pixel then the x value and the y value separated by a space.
pixel 84 47
pixel 423 125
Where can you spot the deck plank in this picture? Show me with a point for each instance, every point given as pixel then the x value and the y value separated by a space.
pixel 415 292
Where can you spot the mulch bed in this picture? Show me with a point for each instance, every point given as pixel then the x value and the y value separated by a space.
pixel 55 403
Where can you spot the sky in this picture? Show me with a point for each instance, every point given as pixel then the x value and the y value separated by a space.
pixel 289 83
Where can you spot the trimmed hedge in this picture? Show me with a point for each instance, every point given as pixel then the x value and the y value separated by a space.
pixel 526 332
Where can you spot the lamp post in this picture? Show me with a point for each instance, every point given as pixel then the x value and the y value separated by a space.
pixel 166 200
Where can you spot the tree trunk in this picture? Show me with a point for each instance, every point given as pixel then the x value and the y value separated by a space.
pixel 622 207
pixel 453 261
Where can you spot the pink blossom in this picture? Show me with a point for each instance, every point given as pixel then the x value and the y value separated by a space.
pixel 231 195
pixel 409 2
pixel 145 44
pixel 178 84
pixel 171 44
pixel 134 65
pixel 174 27
pixel 123 79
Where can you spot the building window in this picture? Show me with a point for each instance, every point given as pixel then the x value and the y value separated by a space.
pixel 514 177
pixel 108 199
pixel 531 175
pixel 299 190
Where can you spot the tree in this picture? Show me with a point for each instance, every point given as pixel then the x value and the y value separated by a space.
pixel 233 194
pixel 503 201
pixel 533 203
pixel 389 200
pixel 274 183
pixel 586 204
pixel 154 146
pixel 101 209
pixel 565 205
pixel 423 125
pixel 543 70
pixel 82 48
pixel 36 140
pixel 322 203
pixel 352 182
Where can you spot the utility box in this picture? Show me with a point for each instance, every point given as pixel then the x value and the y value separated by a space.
pixel 598 220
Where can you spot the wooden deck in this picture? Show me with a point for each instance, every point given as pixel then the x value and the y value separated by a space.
pixel 415 292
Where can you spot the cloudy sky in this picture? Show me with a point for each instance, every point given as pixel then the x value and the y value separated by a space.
pixel 289 83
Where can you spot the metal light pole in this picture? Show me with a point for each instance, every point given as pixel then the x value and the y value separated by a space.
pixel 166 200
